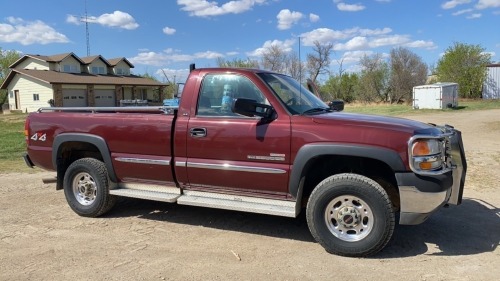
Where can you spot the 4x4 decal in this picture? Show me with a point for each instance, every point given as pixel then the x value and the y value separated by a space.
pixel 39 136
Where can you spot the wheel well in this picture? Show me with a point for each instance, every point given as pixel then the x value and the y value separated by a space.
pixel 325 166
pixel 71 151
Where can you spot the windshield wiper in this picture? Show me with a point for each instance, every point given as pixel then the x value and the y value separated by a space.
pixel 317 110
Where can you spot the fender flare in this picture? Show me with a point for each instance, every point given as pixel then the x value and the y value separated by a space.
pixel 97 141
pixel 308 152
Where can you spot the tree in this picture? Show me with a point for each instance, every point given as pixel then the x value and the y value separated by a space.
pixel 466 65
pixel 319 61
pixel 343 86
pixel 295 67
pixel 373 82
pixel 407 70
pixel 248 63
pixel 7 58
pixel 274 59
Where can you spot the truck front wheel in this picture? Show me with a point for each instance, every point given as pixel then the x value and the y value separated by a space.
pixel 350 215
pixel 86 188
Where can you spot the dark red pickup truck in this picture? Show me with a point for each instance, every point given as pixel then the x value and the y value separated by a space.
pixel 255 141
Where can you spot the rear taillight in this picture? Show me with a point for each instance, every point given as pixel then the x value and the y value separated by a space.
pixel 26 130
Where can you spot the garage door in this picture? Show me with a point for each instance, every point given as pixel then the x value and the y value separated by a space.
pixel 104 98
pixel 74 98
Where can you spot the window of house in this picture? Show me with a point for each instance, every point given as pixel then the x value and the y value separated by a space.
pixel 121 71
pixel 143 94
pixel 36 97
pixel 11 95
pixel 98 70
pixel 69 68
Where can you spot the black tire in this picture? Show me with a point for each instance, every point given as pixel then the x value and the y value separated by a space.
pixel 350 215
pixel 86 187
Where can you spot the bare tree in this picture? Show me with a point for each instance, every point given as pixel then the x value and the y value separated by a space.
pixel 319 62
pixel 374 79
pixel 407 70
pixel 248 63
pixel 295 67
pixel 275 59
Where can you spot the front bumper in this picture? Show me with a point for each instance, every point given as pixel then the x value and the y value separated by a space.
pixel 421 195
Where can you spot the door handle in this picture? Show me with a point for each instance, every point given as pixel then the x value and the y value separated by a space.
pixel 198 132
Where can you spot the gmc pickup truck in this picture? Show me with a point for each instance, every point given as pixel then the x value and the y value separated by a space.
pixel 255 141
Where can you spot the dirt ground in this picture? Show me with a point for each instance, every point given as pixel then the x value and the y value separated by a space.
pixel 42 239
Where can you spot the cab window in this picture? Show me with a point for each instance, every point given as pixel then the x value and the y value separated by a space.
pixel 219 90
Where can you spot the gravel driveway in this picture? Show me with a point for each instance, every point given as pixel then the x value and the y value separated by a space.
pixel 42 239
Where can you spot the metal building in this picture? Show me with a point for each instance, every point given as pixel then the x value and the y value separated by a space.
pixel 491 86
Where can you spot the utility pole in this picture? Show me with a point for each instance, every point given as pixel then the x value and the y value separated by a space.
pixel 87 30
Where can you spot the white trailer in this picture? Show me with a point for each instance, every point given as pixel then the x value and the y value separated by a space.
pixel 435 96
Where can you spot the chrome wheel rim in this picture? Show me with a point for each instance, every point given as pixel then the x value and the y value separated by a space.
pixel 84 189
pixel 349 218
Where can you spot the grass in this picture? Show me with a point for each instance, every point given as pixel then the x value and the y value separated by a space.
pixel 401 109
pixel 12 143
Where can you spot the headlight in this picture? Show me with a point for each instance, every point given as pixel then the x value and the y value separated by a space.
pixel 426 155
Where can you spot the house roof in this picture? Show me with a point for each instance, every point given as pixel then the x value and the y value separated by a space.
pixel 53 58
pixel 115 61
pixel 55 77
pixel 89 60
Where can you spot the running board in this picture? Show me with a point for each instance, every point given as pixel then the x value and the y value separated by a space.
pixel 146 194
pixel 206 199
pixel 238 203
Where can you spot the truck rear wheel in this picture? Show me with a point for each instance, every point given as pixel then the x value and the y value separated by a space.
pixel 350 215
pixel 86 188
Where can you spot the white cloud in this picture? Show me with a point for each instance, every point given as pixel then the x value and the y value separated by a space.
pixel 117 19
pixel 168 30
pixel 453 3
pixel 204 8
pixel 287 18
pixel 356 43
pixel 149 58
pixel 492 54
pixel 72 19
pixel 457 13
pixel 373 32
pixel 232 53
pixel 313 17
pixel 350 7
pixel 169 55
pixel 286 46
pixel 474 16
pixel 389 41
pixel 485 4
pixel 326 35
pixel 179 75
pixel 355 56
pixel 29 32
pixel 421 44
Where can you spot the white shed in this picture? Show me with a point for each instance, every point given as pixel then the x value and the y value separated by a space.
pixel 435 96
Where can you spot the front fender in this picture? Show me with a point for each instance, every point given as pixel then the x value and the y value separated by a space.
pixel 308 152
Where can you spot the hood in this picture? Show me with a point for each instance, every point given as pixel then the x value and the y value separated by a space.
pixel 373 122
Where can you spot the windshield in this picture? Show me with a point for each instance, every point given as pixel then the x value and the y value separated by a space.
pixel 296 98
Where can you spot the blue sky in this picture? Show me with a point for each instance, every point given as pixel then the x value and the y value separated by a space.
pixel 170 35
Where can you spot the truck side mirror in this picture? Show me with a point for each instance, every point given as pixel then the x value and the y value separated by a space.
pixel 251 108
pixel 336 105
